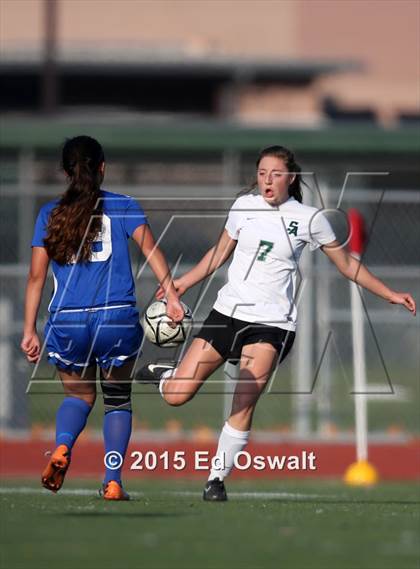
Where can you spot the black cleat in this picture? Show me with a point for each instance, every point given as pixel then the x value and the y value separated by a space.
pixel 215 491
pixel 151 373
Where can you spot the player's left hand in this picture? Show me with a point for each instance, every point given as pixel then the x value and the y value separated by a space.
pixel 405 299
pixel 174 309
pixel 31 347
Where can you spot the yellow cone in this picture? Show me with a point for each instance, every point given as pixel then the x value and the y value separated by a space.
pixel 361 473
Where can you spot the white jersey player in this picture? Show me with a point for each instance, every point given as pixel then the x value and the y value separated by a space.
pixel 270 239
pixel 253 320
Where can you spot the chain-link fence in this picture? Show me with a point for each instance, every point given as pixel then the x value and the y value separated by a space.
pixel 311 392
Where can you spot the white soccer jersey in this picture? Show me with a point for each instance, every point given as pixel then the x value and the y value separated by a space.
pixel 262 275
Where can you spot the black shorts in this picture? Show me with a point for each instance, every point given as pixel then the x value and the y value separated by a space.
pixel 229 335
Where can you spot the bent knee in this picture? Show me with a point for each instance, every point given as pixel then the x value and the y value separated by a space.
pixel 176 399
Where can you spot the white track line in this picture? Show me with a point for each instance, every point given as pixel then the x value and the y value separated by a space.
pixel 91 492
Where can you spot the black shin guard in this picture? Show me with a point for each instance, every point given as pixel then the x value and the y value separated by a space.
pixel 116 394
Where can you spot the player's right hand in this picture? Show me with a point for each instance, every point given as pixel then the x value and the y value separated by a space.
pixel 179 285
pixel 174 310
pixel 31 347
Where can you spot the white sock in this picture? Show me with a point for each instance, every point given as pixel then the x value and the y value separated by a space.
pixel 231 441
pixel 165 375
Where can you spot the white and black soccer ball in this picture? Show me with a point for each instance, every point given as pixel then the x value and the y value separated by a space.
pixel 157 329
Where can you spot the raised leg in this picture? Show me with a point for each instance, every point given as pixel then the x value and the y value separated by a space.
pixel 200 361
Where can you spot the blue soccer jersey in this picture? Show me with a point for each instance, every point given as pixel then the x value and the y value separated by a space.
pixel 107 278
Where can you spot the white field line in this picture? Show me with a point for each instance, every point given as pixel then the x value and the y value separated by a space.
pixel 257 495
pixel 91 492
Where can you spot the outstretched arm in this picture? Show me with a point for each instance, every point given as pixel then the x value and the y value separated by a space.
pixel 354 270
pixel 154 256
pixel 35 284
pixel 212 260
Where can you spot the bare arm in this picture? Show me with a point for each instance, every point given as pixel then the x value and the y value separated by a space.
pixel 35 284
pixel 157 262
pixel 212 260
pixel 354 270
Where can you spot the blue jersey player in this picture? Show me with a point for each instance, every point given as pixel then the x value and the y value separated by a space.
pixel 93 319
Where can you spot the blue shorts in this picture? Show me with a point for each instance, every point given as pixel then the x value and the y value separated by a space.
pixel 107 337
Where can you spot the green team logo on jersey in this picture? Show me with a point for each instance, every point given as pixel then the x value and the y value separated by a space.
pixel 293 227
pixel 263 250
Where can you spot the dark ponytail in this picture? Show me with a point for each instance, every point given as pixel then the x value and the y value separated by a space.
pixel 295 189
pixel 71 228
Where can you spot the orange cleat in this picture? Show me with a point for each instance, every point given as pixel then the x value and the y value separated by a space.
pixel 53 476
pixel 114 491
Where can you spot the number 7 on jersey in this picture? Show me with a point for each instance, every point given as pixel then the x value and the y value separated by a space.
pixel 263 249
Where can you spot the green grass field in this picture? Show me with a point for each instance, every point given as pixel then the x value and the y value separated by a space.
pixel 166 525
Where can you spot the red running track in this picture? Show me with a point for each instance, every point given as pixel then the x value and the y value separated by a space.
pixel 394 461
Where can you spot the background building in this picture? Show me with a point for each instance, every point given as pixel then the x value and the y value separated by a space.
pixel 268 61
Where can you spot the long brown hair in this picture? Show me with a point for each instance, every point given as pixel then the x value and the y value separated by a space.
pixel 295 189
pixel 77 219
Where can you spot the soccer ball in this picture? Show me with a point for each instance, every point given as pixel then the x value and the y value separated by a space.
pixel 157 329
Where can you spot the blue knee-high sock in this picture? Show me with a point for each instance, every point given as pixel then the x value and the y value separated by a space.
pixel 71 420
pixel 117 432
